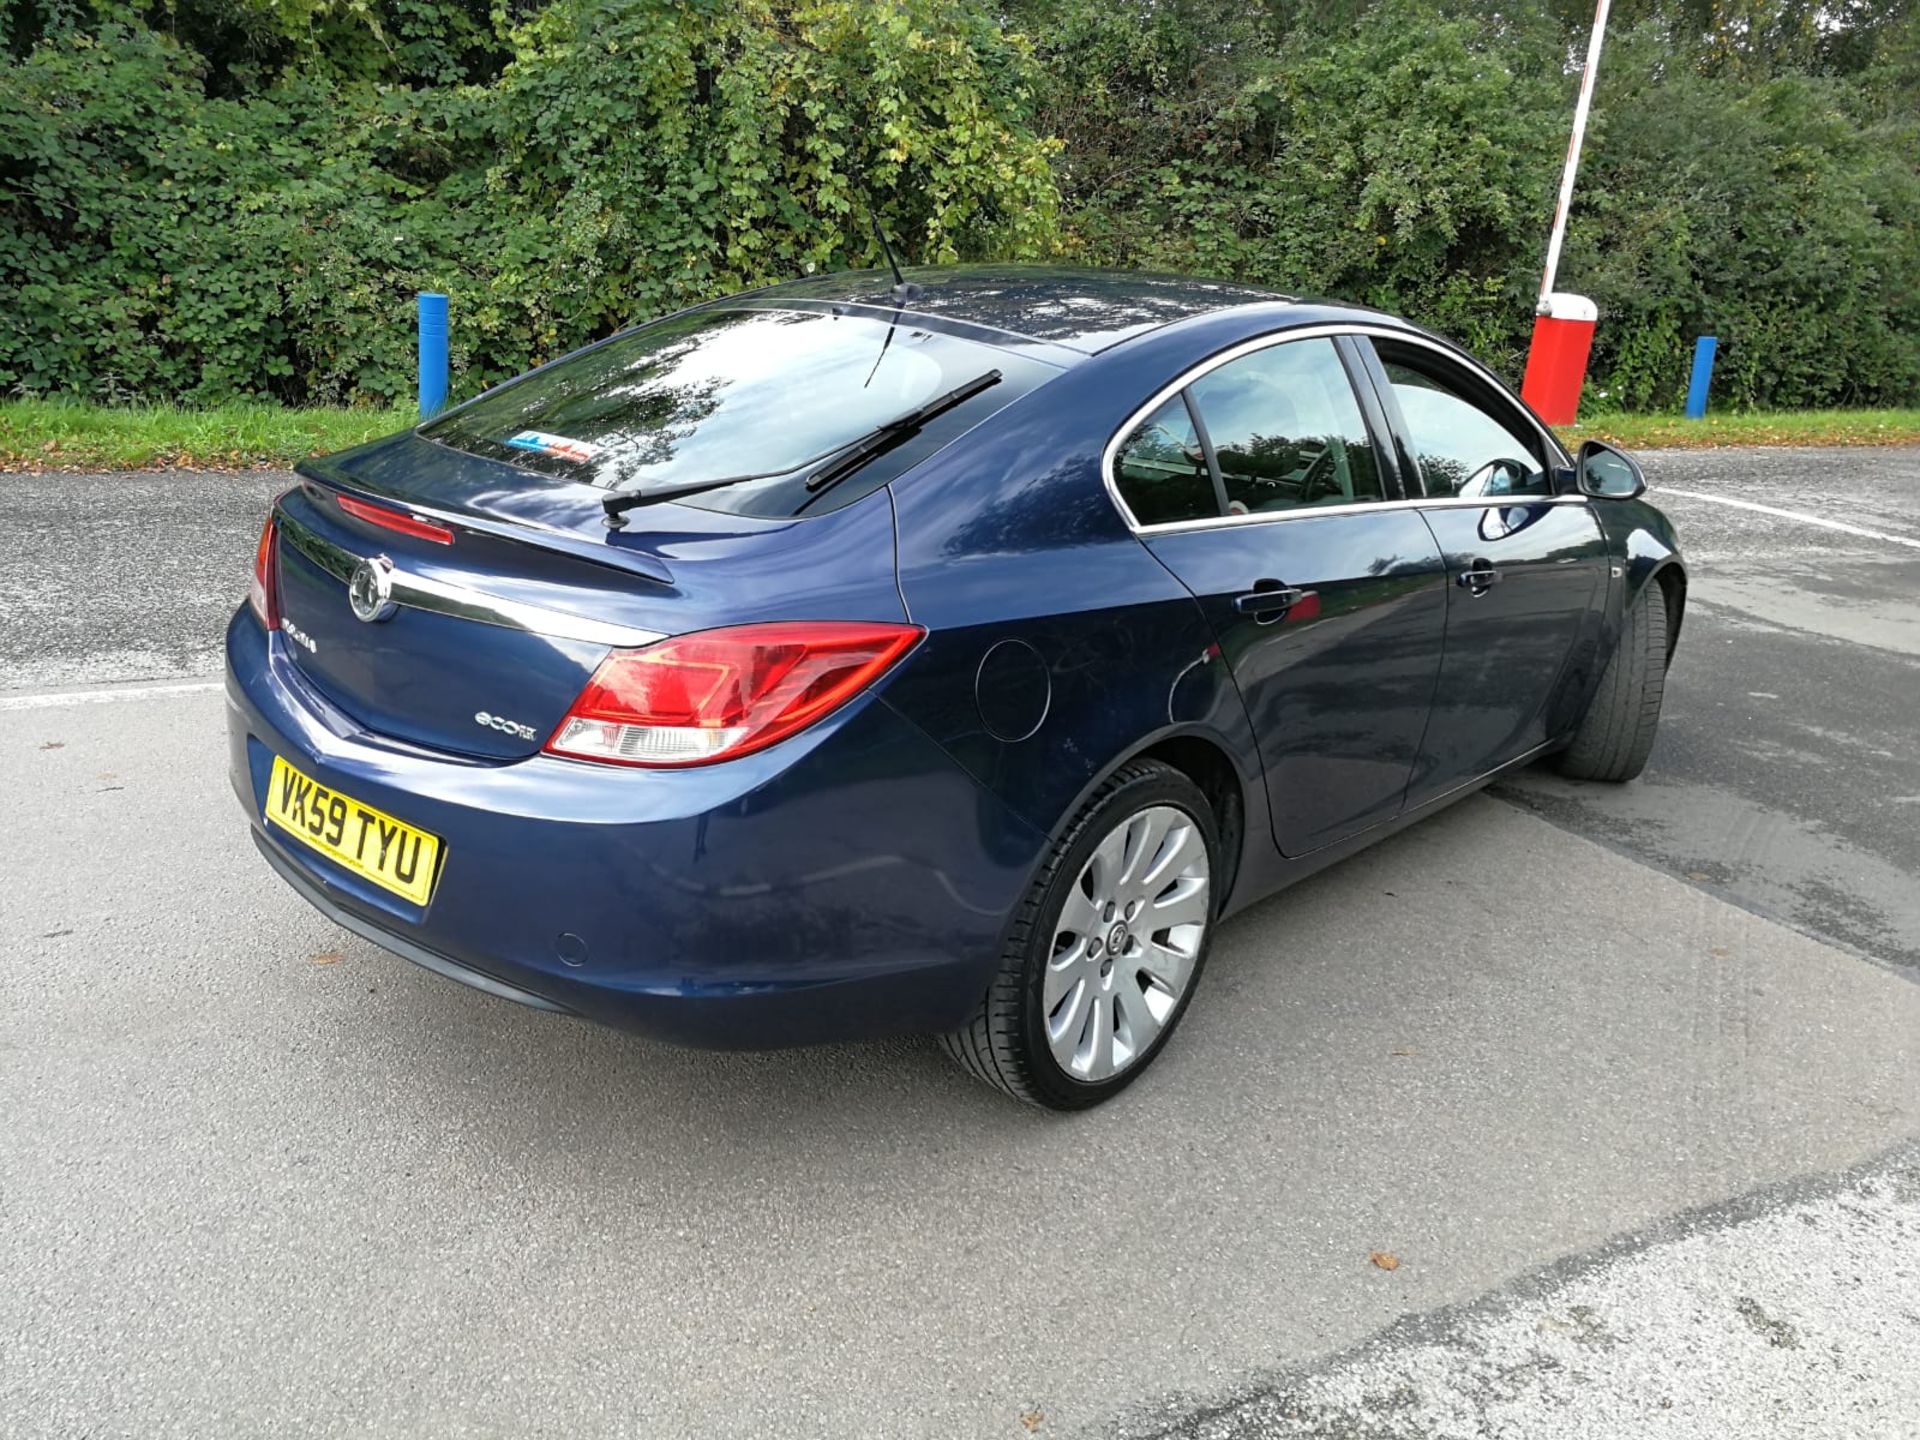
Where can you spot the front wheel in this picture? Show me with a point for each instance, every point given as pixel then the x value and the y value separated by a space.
pixel 1106 948
pixel 1616 734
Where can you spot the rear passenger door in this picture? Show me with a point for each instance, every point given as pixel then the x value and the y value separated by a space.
pixel 1263 485
pixel 1526 563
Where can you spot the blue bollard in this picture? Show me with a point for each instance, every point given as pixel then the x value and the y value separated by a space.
pixel 433 353
pixel 1703 349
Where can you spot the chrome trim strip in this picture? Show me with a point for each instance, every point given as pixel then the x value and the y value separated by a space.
pixel 1373 507
pixel 1316 332
pixel 420 592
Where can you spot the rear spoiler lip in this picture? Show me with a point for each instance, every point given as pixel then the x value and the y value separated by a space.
pixel 611 550
pixel 423 592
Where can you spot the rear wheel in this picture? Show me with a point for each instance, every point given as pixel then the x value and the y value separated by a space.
pixel 1616 734
pixel 1106 948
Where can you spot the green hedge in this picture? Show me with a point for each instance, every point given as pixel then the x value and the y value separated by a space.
pixel 218 198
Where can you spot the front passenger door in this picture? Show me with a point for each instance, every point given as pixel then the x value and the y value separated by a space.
pixel 1262 488
pixel 1526 566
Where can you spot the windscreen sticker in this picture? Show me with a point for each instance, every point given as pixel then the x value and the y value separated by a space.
pixel 559 446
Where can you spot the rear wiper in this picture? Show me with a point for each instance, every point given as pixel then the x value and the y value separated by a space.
pixel 884 437
pixel 843 459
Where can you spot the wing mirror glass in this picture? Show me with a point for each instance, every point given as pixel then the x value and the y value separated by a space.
pixel 1608 474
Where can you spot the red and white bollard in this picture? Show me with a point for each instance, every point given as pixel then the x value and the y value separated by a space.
pixel 1557 359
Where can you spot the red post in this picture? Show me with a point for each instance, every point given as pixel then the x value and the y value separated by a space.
pixel 1557 359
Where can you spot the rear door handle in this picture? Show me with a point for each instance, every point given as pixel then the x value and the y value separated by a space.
pixel 1477 577
pixel 1270 597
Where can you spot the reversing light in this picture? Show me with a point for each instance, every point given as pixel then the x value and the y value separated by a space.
pixel 262 594
pixel 395 520
pixel 717 694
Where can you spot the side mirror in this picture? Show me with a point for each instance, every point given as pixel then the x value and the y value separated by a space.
pixel 1606 473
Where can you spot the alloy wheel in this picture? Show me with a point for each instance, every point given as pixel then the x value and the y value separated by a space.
pixel 1125 946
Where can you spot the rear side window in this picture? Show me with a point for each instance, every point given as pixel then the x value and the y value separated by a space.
pixel 1286 430
pixel 1161 469
pixel 760 393
pixel 1278 429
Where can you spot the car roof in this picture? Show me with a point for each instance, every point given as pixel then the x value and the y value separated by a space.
pixel 1077 309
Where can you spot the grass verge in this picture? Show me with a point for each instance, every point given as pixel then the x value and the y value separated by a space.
pixel 78 435
pixel 1757 427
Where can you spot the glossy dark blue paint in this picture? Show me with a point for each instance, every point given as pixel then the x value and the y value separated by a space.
pixel 857 878
pixel 849 879
pixel 1515 650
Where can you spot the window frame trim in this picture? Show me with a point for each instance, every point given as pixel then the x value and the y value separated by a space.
pixel 1109 477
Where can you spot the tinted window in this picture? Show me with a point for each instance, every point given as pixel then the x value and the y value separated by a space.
pixel 733 392
pixel 1462 448
pixel 1162 471
pixel 1286 430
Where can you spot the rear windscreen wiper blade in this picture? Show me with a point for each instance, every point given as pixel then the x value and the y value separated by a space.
pixel 884 437
pixel 617 504
pixel 843 459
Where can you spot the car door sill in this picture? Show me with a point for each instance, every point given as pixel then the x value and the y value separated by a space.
pixel 1292 869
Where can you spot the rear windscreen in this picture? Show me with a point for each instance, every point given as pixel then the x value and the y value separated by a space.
pixel 722 393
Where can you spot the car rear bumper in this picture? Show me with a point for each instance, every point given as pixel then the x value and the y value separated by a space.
pixel 849 883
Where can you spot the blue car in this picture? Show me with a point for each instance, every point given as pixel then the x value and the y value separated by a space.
pixel 852 658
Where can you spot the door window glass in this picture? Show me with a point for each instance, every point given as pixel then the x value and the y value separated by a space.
pixel 1162 471
pixel 1286 430
pixel 1461 448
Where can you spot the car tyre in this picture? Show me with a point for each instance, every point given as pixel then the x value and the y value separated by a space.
pixel 1616 734
pixel 1015 1039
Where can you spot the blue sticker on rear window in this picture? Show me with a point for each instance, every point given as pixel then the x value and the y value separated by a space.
pixel 559 446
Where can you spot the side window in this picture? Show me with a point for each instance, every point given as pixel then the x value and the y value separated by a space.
pixel 1463 449
pixel 1162 471
pixel 1286 430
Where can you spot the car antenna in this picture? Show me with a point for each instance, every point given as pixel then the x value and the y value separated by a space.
pixel 903 289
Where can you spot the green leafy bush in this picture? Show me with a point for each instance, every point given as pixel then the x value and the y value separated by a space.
pixel 205 199
pixel 1406 154
pixel 160 240
pixel 1781 215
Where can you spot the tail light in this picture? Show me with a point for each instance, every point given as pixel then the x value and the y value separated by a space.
pixel 722 693
pixel 261 595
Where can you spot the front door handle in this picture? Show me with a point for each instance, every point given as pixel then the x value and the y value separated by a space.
pixel 1271 599
pixel 1478 577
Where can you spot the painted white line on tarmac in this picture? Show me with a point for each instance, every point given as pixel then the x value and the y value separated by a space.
pixel 1800 515
pixel 53 699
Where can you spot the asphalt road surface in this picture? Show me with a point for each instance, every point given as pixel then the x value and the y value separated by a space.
pixel 1575 1111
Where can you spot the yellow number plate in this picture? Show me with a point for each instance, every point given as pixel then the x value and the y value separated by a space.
pixel 373 845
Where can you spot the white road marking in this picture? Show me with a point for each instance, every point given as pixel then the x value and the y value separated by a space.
pixel 54 699
pixel 1800 515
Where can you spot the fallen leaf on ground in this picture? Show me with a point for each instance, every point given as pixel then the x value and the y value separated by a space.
pixel 1721 950
pixel 1384 1259
pixel 1697 875
pixel 54 745
pixel 328 957
pixel 1032 1420
pixel 1406 1050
